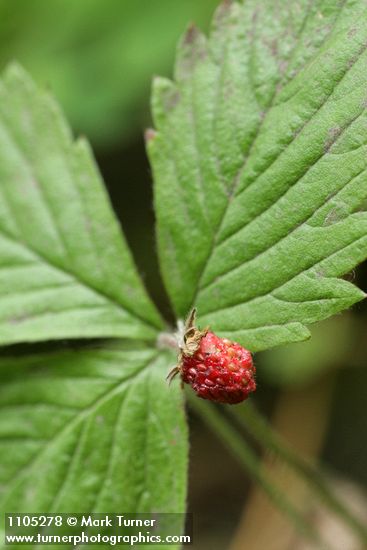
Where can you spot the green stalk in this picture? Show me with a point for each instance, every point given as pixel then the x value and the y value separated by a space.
pixel 234 441
pixel 249 418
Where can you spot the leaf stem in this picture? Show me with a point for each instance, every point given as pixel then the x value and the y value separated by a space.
pixel 232 438
pixel 248 417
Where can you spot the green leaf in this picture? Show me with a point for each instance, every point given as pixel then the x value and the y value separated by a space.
pixel 92 430
pixel 260 167
pixel 65 269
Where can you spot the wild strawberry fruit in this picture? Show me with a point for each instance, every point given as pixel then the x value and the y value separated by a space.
pixel 216 368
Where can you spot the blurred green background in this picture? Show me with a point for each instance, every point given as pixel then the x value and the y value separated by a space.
pixel 99 57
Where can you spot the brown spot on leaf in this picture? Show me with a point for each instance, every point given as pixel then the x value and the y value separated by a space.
pixel 19 319
pixel 255 15
pixel 272 46
pixel 193 49
pixel 320 273
pixel 221 14
pixel 171 100
pixel 191 35
pixel 333 134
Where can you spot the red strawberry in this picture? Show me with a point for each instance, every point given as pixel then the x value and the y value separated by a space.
pixel 216 368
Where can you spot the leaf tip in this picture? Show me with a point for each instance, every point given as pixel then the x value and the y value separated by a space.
pixel 226 4
pixel 191 35
pixel 223 13
pixel 15 71
pixel 191 50
pixel 165 97
pixel 149 135
pixel 82 144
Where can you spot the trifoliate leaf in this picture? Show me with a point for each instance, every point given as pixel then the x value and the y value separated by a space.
pixel 65 269
pixel 260 165
pixel 94 430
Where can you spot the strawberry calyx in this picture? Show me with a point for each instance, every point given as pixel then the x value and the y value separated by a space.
pixel 216 368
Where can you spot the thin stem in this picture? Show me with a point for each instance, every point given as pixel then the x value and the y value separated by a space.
pixel 233 439
pixel 258 427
